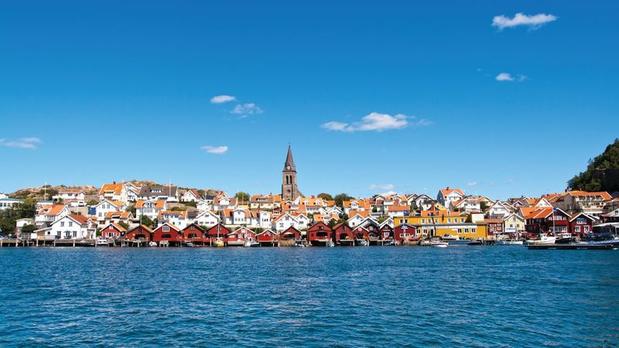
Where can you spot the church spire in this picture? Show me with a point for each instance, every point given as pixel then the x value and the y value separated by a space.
pixel 289 165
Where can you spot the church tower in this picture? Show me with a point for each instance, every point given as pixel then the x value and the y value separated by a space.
pixel 290 190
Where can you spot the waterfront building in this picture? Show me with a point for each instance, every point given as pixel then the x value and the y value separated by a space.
pixel 319 234
pixel 193 233
pixel 266 238
pixel 343 234
pixel 439 223
pixel 405 232
pixel 71 226
pixel 167 235
pixel 140 233
pixel 113 231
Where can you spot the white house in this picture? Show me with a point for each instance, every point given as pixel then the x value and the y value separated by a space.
pixel 447 195
pixel 284 222
pixel 355 220
pixel 113 192
pixel 177 219
pixel 499 209
pixel 49 213
pixel 191 196
pixel 8 203
pixel 107 206
pixel 261 219
pixel 423 202
pixel 469 205
pixel 72 197
pixel 149 209
pixel 207 218
pixel 71 227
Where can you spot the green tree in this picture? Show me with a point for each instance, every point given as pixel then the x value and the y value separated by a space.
pixel 146 221
pixel 28 229
pixel 602 173
pixel 325 196
pixel 340 198
pixel 242 196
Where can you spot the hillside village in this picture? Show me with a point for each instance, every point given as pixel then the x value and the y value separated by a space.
pixel 132 213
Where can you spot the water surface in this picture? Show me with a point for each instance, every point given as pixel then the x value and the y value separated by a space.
pixel 364 296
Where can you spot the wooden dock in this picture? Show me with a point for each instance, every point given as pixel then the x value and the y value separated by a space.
pixel 575 246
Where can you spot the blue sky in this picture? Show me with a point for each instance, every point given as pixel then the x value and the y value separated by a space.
pixel 373 96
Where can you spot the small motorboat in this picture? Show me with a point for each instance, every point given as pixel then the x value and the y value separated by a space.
pixel 189 244
pixel 219 243
pixel 439 244
pixel 152 244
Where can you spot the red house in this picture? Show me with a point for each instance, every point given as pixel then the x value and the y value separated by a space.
pixel 361 233
pixel 289 237
pixel 194 234
pixel 218 231
pixel 581 224
pixel 140 233
pixel 319 234
pixel 113 231
pixel 545 220
pixel 167 234
pixel 386 234
pixel 343 234
pixel 405 233
pixel 266 238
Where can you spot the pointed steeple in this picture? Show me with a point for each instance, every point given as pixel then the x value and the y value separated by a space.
pixel 289 165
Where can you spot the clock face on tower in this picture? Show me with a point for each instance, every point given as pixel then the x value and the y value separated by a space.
pixel 287 167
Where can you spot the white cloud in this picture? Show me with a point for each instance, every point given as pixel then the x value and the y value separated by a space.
pixel 383 187
pixel 504 76
pixel 246 109
pixel 376 122
pixel 215 150
pixel 521 19
pixel 30 143
pixel 222 99
pixel 471 183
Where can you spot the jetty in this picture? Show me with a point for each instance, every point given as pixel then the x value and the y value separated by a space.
pixel 573 246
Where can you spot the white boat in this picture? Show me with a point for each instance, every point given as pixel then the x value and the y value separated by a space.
pixel 103 242
pixel 439 244
pixel 543 239
pixel 152 244
pixel 510 242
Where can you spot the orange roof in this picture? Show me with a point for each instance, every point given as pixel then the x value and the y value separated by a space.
pixel 160 204
pixel 114 188
pixel 118 214
pixel 399 208
pixel 605 195
pixel 535 212
pixel 55 210
pixel 361 213
pixel 447 190
pixel 81 219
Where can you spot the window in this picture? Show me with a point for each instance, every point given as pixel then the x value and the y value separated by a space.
pixel 61 223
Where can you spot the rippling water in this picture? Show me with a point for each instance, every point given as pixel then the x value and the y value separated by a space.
pixel 372 296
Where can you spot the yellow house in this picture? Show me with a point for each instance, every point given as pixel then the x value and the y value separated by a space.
pixel 440 223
